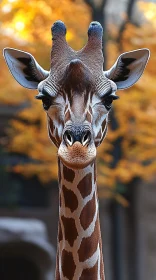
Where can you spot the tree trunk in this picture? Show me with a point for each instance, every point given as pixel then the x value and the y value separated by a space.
pixel 134 232
pixel 128 19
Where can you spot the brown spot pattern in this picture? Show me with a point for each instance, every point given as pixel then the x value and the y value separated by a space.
pixel 52 138
pixel 60 200
pixel 88 213
pixel 85 185
pixel 60 236
pixel 59 171
pixel 70 199
pixel 70 230
pixel 101 254
pixel 99 134
pixel 88 117
pixel 66 108
pixel 94 173
pixel 90 273
pixel 89 244
pixel 90 110
pixel 68 265
pixel 57 273
pixel 101 263
pixel 69 174
pixel 103 135
pixel 51 125
pixel 67 116
pixel 104 125
pixel 57 136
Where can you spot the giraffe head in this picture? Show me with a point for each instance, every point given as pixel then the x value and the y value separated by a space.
pixel 76 93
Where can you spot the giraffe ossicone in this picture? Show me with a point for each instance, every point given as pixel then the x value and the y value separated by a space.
pixel 77 96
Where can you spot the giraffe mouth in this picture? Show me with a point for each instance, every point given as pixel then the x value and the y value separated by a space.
pixel 77 156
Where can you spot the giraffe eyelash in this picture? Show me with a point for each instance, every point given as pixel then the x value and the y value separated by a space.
pixel 42 96
pixel 110 94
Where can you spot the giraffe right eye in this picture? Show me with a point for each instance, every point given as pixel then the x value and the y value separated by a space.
pixel 46 103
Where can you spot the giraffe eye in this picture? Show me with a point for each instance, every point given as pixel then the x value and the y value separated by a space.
pixel 108 102
pixel 46 103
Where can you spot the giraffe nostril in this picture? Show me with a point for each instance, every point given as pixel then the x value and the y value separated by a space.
pixel 82 136
pixel 86 138
pixel 68 138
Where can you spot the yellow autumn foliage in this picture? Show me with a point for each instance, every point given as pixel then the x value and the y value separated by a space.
pixel 26 25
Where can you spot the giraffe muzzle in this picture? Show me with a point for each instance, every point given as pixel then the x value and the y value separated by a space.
pixel 77 149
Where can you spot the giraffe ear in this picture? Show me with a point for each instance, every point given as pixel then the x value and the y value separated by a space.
pixel 128 68
pixel 24 68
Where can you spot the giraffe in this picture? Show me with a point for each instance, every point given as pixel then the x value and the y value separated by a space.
pixel 77 96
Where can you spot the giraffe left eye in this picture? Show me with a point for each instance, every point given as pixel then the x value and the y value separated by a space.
pixel 108 102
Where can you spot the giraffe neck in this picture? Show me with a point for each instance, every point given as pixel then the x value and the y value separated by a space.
pixel 79 254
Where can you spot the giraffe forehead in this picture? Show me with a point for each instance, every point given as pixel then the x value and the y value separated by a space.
pixel 75 78
pixel 75 75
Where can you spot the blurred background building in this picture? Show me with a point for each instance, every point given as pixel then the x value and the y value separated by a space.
pixel 126 160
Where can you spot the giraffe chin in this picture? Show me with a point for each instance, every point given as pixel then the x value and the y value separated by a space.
pixel 77 156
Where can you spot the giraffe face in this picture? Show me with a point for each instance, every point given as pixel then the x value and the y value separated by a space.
pixel 76 93
pixel 77 113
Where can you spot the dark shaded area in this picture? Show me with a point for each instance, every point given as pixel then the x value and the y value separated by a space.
pixel 16 190
pixel 117 216
pixel 19 191
pixel 18 268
